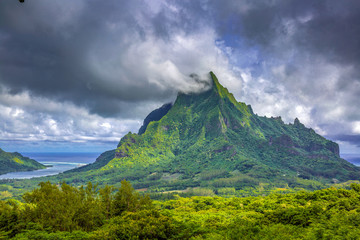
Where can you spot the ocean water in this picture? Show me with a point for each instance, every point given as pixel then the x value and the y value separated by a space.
pixel 60 162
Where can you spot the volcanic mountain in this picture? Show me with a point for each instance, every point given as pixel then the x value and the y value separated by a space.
pixel 209 139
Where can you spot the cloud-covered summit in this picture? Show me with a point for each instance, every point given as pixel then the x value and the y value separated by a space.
pixel 92 70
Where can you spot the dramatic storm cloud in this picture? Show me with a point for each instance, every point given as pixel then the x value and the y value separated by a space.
pixel 90 71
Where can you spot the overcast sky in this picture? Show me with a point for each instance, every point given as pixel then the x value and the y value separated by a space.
pixel 78 75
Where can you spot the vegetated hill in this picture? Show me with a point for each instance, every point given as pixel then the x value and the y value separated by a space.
pixel 15 162
pixel 209 139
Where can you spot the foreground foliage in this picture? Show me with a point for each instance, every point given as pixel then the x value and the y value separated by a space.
pixel 67 212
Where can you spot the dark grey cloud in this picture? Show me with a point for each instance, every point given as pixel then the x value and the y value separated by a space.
pixel 327 28
pixel 53 50
pixel 355 139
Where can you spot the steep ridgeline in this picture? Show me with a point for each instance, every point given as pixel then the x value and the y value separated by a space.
pixel 209 139
pixel 155 115
pixel 15 162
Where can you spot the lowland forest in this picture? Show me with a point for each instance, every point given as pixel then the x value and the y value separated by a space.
pixel 66 212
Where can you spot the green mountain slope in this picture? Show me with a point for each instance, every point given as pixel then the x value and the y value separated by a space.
pixel 15 162
pixel 210 139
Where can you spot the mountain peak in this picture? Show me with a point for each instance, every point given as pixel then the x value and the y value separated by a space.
pixel 217 86
pixel 215 81
pixel 223 92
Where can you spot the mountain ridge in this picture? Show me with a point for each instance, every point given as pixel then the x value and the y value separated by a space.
pixel 211 131
pixel 209 140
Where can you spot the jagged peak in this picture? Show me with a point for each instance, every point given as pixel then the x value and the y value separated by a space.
pixel 298 123
pixel 217 86
pixel 155 115
pixel 215 97
pixel 224 93
pixel 250 109
pixel 215 81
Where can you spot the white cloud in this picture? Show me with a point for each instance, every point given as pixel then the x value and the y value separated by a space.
pixel 39 119
pixel 165 64
pixel 356 127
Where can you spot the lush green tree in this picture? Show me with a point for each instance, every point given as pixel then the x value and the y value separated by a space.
pixel 107 200
pixel 142 224
pixel 127 199
pixel 10 217
pixel 89 214
pixel 54 207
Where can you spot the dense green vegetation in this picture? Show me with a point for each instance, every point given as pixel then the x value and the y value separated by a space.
pixel 15 162
pixel 66 212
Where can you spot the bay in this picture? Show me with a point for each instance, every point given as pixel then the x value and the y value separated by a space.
pixel 57 162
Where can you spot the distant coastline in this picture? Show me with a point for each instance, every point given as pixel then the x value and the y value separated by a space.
pixel 58 162
pixel 55 162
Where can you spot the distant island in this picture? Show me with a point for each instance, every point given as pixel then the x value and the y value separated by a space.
pixel 15 162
